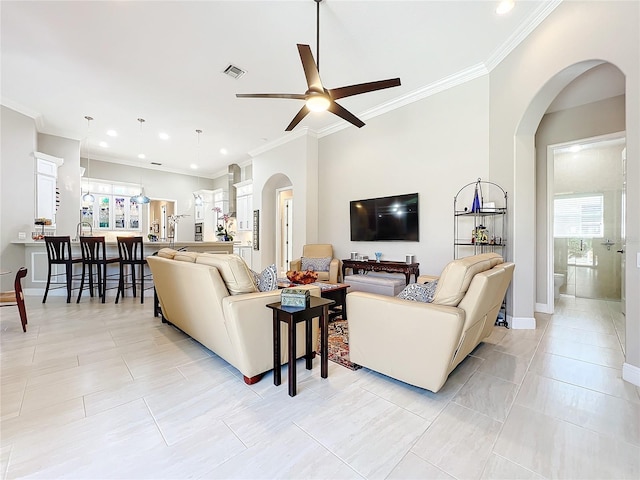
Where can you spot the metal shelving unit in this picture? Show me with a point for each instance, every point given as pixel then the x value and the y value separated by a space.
pixel 480 224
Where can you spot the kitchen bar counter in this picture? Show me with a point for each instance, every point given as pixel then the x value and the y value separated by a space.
pixel 223 247
pixel 35 257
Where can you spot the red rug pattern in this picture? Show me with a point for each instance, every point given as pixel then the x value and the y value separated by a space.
pixel 339 344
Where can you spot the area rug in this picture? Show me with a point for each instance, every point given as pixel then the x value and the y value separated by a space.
pixel 339 344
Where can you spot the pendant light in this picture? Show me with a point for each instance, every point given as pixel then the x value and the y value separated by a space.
pixel 141 197
pixel 87 197
pixel 198 198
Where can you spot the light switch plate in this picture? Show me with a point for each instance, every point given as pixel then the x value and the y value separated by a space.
pixel 638 259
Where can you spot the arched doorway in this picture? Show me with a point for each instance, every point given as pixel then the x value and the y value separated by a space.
pixel 524 192
pixel 578 157
pixel 270 228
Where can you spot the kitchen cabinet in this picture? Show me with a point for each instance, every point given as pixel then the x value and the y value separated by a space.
pixel 244 206
pixel 46 180
pixel 244 251
pixel 112 208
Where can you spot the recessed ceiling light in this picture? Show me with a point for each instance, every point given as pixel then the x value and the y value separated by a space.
pixel 223 151
pixel 163 136
pixel 104 144
pixel 112 133
pixel 504 6
pixel 193 166
pixel 142 156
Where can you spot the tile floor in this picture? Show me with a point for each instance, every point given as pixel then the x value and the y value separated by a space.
pixel 96 391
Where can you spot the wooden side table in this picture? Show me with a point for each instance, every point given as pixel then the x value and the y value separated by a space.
pixel 318 307
pixel 338 293
pixel 383 266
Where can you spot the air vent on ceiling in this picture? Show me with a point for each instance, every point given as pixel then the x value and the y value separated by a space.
pixel 234 72
pixel 155 163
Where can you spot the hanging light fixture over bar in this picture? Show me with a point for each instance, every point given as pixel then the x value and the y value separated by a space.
pixel 197 197
pixel 87 197
pixel 141 197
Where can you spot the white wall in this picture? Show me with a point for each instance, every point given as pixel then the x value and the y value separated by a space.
pixel 433 147
pixel 293 164
pixel 17 170
pixel 523 86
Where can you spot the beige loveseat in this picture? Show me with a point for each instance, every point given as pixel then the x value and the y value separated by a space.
pixel 213 299
pixel 421 343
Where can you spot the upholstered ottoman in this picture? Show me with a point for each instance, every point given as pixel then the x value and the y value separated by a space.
pixel 381 283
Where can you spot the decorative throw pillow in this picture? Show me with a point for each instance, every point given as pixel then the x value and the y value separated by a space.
pixel 266 280
pixel 419 292
pixel 316 264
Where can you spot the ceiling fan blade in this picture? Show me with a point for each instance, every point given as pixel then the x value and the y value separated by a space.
pixel 310 69
pixel 345 114
pixel 296 120
pixel 293 96
pixel 350 90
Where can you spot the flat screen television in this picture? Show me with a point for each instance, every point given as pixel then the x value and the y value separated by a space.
pixel 385 219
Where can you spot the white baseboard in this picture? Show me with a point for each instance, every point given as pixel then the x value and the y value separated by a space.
pixel 522 323
pixel 631 374
pixel 37 292
pixel 544 308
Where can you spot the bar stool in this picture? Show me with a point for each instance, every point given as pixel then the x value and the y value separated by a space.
pixel 94 254
pixel 59 253
pixel 131 255
pixel 16 297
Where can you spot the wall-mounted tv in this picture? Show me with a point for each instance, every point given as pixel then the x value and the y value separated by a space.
pixel 385 219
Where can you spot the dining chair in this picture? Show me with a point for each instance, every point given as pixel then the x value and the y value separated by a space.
pixel 131 254
pixel 59 253
pixel 94 255
pixel 15 298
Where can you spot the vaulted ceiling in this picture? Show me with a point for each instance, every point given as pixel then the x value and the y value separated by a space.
pixel 118 61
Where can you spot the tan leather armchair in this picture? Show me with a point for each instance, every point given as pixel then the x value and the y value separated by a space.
pixel 421 343
pixel 319 250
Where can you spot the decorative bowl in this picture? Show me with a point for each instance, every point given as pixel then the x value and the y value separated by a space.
pixel 302 278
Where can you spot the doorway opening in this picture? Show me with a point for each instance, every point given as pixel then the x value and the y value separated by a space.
pixel 284 230
pixel 586 201
pixel 159 213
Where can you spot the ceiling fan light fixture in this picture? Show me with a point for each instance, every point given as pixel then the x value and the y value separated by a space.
pixel 318 103
pixel 317 98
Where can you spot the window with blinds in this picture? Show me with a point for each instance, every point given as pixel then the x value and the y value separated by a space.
pixel 578 216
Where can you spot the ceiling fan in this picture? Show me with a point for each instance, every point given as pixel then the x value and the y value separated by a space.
pixel 318 98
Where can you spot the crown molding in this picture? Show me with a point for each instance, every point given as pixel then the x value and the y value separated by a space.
pixel 289 137
pixel 441 85
pixel 26 111
pixel 521 33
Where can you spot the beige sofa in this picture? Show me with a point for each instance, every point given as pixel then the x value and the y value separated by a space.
pixel 421 343
pixel 213 299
